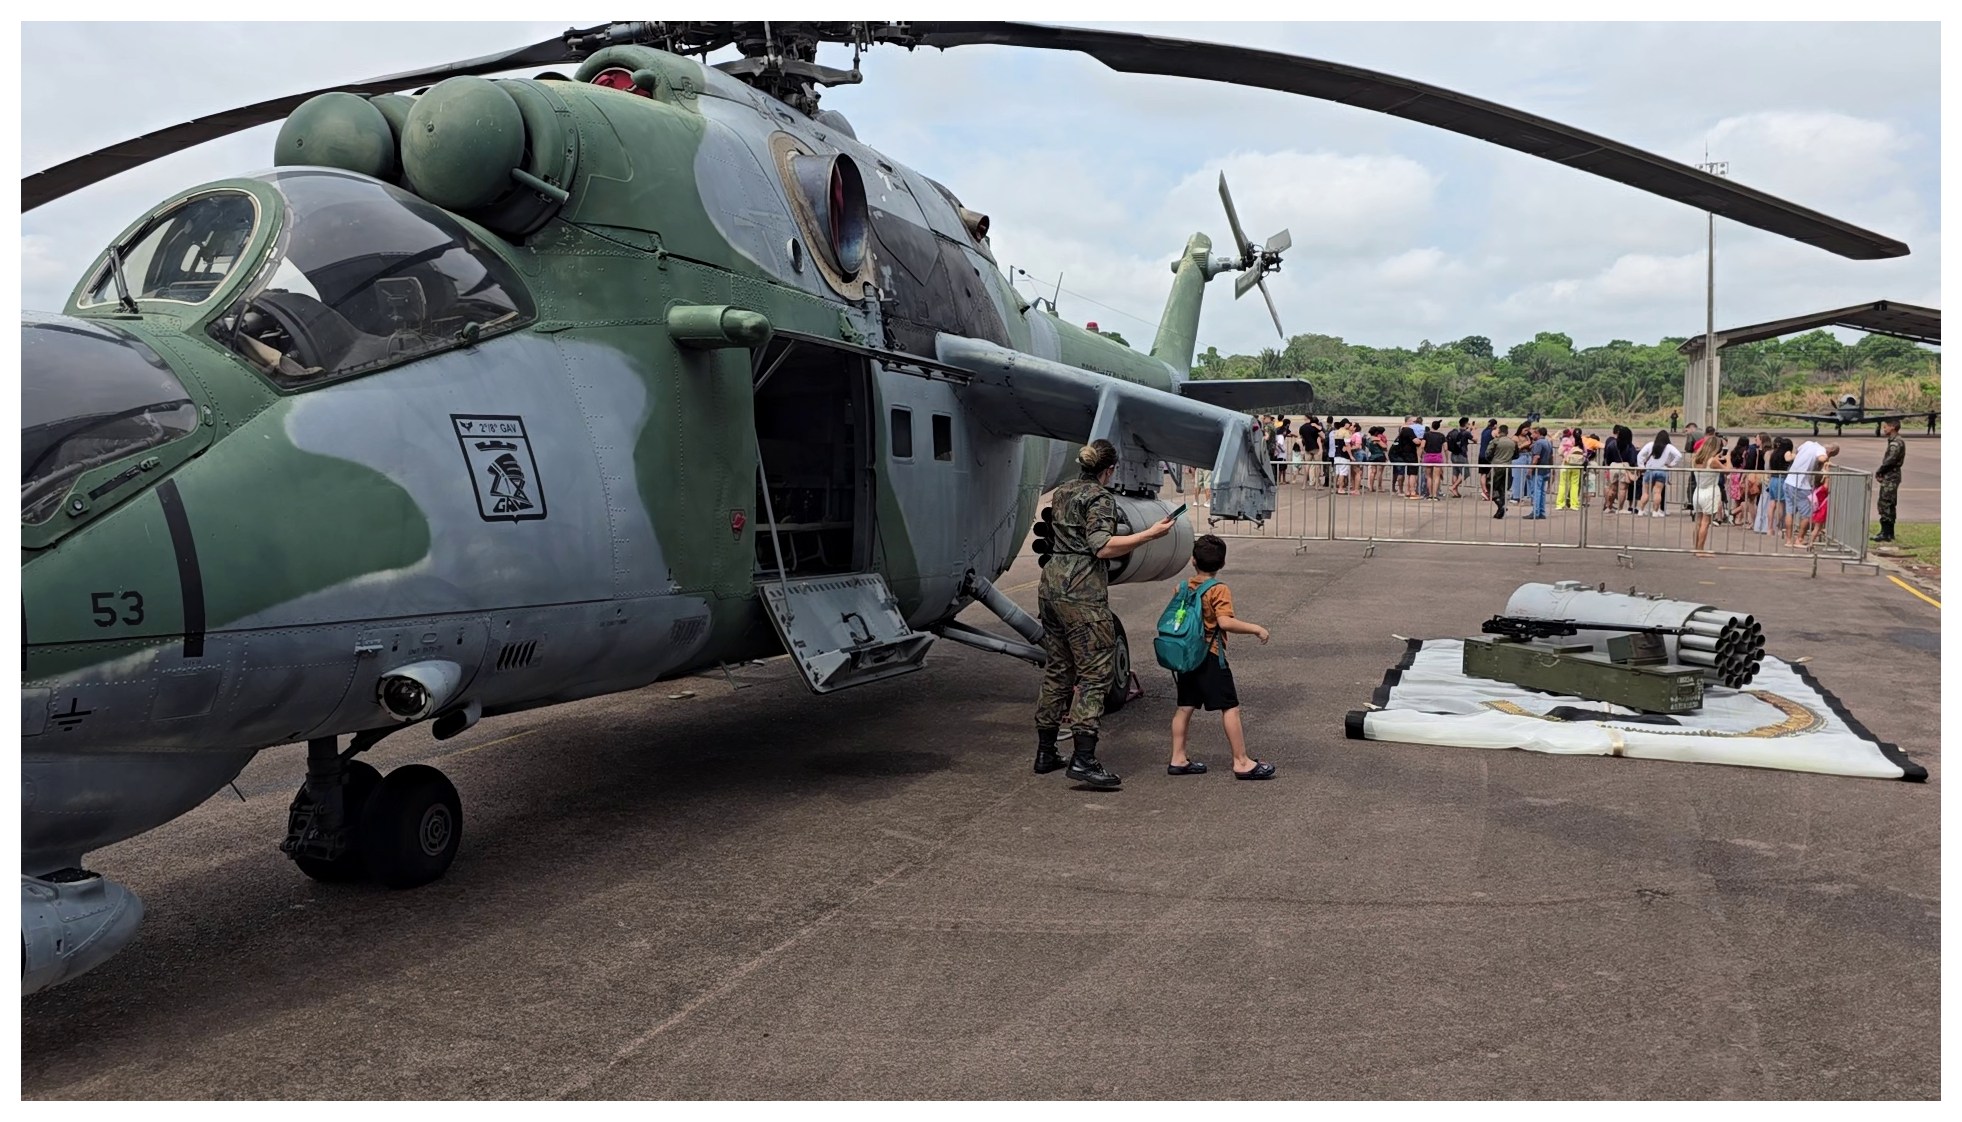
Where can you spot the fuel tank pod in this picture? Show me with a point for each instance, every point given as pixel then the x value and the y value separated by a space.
pixel 500 153
pixel 338 130
pixel 1161 559
pixel 463 138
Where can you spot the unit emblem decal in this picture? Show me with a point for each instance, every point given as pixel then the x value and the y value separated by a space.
pixel 502 469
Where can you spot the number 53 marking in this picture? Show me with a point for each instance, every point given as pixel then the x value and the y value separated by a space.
pixel 104 607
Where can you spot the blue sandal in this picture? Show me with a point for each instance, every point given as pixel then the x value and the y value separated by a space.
pixel 1190 767
pixel 1258 771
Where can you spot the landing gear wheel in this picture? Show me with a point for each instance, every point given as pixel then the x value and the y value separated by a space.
pixel 1120 684
pixel 362 780
pixel 411 827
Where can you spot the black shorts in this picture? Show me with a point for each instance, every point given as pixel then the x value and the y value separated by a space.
pixel 1208 687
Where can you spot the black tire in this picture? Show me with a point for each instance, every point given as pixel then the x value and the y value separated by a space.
pixel 412 827
pixel 1120 686
pixel 362 780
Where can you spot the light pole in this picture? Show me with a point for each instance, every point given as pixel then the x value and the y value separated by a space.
pixel 1714 167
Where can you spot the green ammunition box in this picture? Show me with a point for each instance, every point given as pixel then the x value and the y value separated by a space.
pixel 1581 671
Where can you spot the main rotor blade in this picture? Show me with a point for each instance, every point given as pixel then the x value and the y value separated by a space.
pixel 73 175
pixel 1240 242
pixel 1432 105
pixel 1269 297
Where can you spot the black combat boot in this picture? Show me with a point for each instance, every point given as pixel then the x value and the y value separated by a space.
pixel 1084 767
pixel 1886 533
pixel 1046 758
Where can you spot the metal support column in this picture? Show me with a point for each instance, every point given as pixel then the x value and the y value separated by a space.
pixel 1707 407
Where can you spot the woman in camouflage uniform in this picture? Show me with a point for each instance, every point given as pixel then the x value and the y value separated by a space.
pixel 1079 634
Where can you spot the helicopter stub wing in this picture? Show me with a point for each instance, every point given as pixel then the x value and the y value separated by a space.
pixel 1016 393
pixel 1250 393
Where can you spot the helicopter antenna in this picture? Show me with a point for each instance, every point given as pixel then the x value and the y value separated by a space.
pixel 1016 273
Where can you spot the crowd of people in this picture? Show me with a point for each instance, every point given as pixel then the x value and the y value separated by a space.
pixel 1771 485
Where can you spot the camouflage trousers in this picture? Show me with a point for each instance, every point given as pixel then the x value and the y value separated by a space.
pixel 1890 497
pixel 1081 642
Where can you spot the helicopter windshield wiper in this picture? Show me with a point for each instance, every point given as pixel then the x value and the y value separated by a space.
pixel 123 299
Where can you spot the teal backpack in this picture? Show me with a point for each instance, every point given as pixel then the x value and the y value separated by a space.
pixel 1181 640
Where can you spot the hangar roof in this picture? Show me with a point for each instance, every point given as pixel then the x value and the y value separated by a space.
pixel 1882 317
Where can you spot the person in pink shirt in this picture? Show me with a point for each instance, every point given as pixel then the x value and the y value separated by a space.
pixel 1816 532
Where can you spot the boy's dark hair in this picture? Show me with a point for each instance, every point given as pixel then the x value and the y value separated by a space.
pixel 1209 553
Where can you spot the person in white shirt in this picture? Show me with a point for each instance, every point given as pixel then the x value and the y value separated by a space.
pixel 1799 484
pixel 1654 461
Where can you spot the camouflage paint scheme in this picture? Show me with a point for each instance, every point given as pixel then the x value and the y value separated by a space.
pixel 336 528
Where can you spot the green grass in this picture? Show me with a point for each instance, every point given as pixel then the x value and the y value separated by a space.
pixel 1920 541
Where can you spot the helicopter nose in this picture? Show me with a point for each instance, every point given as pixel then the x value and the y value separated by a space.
pixel 91 394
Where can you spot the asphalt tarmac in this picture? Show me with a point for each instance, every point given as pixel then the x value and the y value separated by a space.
pixel 733 889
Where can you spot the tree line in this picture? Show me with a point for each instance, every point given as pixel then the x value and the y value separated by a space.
pixel 1621 379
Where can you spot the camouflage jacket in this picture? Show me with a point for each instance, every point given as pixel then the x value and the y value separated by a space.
pixel 1891 460
pixel 1085 519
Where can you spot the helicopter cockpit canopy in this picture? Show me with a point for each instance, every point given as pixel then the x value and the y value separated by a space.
pixel 184 254
pixel 365 275
pixel 90 394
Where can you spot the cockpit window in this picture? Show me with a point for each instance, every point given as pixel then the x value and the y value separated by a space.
pixel 90 394
pixel 183 255
pixel 366 275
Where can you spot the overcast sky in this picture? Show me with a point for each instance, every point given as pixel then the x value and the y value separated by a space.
pixel 1401 232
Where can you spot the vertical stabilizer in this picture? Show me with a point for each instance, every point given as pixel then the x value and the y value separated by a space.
pixel 1178 328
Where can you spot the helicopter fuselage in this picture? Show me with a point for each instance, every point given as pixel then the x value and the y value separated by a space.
pixel 561 504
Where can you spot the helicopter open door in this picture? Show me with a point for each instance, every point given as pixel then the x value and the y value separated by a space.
pixel 816 455
pixel 843 631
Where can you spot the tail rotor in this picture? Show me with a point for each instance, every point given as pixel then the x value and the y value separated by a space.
pixel 1254 259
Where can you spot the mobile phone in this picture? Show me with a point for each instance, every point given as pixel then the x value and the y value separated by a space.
pixel 1179 511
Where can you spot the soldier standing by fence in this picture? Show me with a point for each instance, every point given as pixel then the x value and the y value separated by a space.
pixel 1500 455
pixel 1889 476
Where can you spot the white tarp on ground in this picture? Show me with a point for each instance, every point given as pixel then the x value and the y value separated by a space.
pixel 1783 719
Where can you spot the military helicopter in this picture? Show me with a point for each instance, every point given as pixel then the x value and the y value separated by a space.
pixel 504 393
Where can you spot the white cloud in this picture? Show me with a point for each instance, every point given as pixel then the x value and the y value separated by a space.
pixel 45 268
pixel 1419 266
pixel 1334 204
pixel 1832 158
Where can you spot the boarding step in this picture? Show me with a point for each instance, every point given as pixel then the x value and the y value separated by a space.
pixel 843 630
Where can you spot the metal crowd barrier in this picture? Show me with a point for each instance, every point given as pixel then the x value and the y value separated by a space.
pixel 1749 526
pixel 1373 506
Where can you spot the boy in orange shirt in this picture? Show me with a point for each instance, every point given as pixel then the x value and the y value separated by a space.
pixel 1211 685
